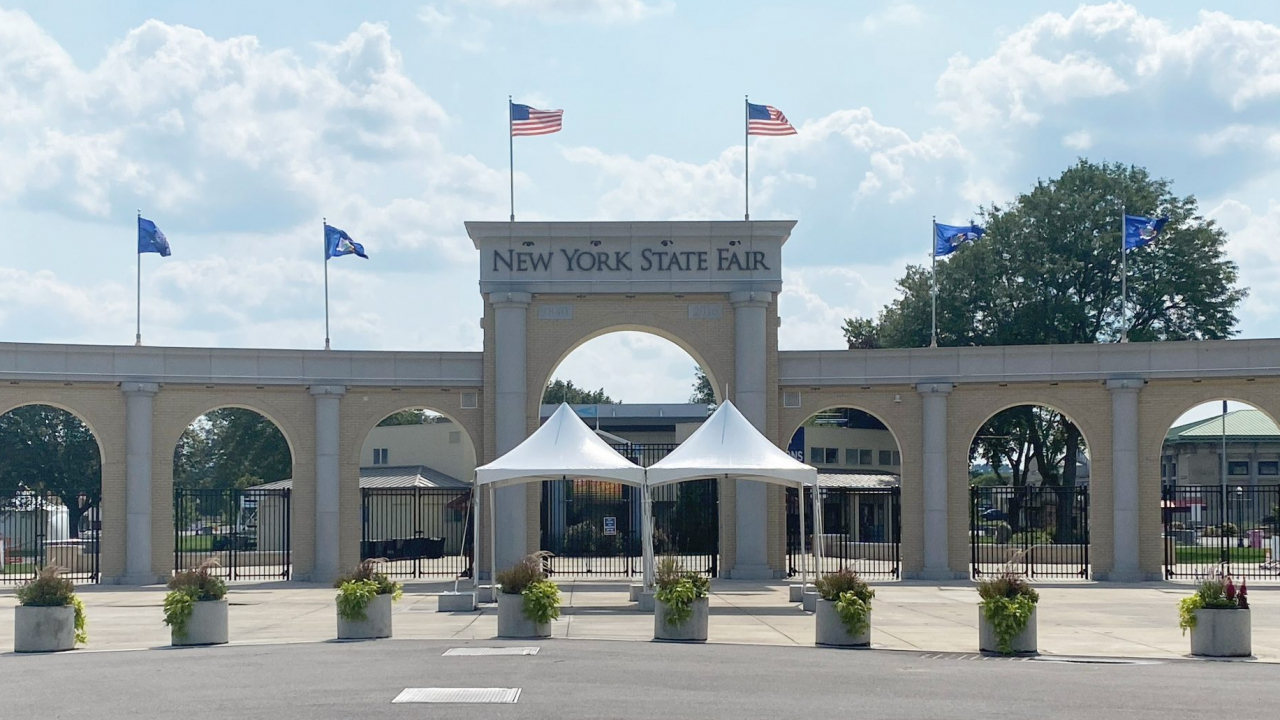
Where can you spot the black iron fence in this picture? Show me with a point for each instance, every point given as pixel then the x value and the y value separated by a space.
pixel 1232 528
pixel 420 532
pixel 40 530
pixel 595 528
pixel 245 531
pixel 861 531
pixel 1040 532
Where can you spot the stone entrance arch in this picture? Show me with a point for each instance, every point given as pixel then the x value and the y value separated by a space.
pixel 710 287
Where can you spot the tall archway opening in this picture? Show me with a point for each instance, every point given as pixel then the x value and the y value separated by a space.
pixel 1220 492
pixel 232 496
pixel 1029 476
pixel 417 472
pixel 859 464
pixel 643 395
pixel 50 494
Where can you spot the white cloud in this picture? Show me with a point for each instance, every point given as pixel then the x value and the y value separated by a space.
pixel 633 367
pixel 1078 140
pixel 468 32
pixel 607 11
pixel 815 301
pixel 897 12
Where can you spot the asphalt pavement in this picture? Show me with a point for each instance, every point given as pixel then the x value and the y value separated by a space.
pixel 570 679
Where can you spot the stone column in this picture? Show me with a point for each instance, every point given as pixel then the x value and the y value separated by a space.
pixel 328 482
pixel 1125 565
pixel 750 395
pixel 510 328
pixel 934 456
pixel 138 402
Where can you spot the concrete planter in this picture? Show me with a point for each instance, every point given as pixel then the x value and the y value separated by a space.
pixel 1024 643
pixel 694 629
pixel 830 629
pixel 207 626
pixel 511 620
pixel 377 622
pixel 457 602
pixel 1222 632
pixel 44 629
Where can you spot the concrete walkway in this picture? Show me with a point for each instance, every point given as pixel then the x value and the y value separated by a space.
pixel 1077 619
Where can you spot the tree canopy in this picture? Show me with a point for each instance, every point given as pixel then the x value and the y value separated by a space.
pixel 561 391
pixel 231 448
pixel 703 393
pixel 1048 271
pixel 45 449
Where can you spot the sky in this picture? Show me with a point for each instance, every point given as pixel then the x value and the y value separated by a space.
pixel 238 126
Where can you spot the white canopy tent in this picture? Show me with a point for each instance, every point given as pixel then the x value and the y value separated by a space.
pixel 563 448
pixel 727 445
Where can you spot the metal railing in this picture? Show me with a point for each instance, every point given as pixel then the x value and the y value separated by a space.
pixel 862 531
pixel 1040 532
pixel 1235 529
pixel 39 530
pixel 245 530
pixel 420 532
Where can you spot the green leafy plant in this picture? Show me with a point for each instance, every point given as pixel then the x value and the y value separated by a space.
pixel 1007 603
pixel 852 596
pixel 677 589
pixel 359 587
pixel 1216 592
pixel 541 602
pixel 49 589
pixel 188 588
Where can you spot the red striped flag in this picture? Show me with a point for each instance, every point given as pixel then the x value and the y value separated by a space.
pixel 531 121
pixel 767 120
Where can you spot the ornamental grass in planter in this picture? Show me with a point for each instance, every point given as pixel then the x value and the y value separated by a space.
pixel 1218 617
pixel 49 616
pixel 364 602
pixel 528 601
pixel 681 605
pixel 195 608
pixel 843 614
pixel 1007 614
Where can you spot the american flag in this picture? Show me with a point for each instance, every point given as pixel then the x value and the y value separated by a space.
pixel 531 121
pixel 767 120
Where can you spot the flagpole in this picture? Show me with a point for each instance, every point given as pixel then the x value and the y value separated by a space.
pixel 137 338
pixel 746 155
pixel 1124 283
pixel 933 290
pixel 324 231
pixel 511 159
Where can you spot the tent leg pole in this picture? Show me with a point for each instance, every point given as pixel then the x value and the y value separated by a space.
pixel 647 522
pixel 817 534
pixel 804 556
pixel 493 542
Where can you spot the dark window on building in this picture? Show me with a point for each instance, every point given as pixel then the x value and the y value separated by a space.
pixel 897 458
pixel 886 457
pixel 379 456
pixel 833 456
pixel 816 455
pixel 850 457
pixel 1238 467
pixel 864 457
pixel 1268 467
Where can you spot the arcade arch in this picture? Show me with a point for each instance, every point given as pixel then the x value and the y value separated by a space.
pixel 593 527
pixel 1029 477
pixel 859 461
pixel 51 493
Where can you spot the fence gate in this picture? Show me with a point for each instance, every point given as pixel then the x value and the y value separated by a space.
pixel 591 527
pixel 1040 532
pixel 246 531
pixel 861 531
pixel 40 530
pixel 1210 527
pixel 420 532
pixel 686 524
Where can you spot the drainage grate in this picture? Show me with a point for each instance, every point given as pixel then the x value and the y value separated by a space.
pixel 458 695
pixel 468 652
pixel 1077 660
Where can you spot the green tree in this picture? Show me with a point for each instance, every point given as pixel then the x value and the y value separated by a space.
pixel 231 448
pixel 861 333
pixel 47 450
pixel 561 391
pixel 404 417
pixel 1048 271
pixel 703 393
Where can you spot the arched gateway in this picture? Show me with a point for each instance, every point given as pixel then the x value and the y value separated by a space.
pixel 710 287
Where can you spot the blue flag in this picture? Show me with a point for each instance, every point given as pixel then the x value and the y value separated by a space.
pixel 150 239
pixel 338 242
pixel 1139 231
pixel 948 238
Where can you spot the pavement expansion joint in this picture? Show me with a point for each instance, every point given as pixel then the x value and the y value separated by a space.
pixel 458 695
pixel 489 651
